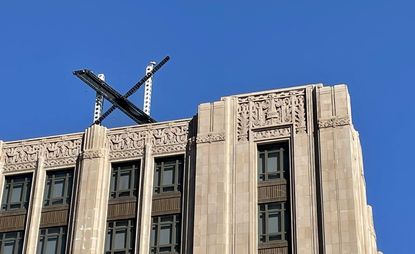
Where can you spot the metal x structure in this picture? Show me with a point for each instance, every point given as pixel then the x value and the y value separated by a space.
pixel 118 100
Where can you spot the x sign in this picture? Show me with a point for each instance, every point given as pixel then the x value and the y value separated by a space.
pixel 118 100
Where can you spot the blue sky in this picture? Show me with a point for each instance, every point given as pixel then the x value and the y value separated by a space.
pixel 221 49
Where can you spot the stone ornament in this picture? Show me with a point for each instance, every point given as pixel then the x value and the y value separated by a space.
pixel 271 133
pixel 271 109
pixel 333 122
pixel 210 138
pixel 60 151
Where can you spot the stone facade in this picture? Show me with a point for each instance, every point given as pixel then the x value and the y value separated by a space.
pixel 219 205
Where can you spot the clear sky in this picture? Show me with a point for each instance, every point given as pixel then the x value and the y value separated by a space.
pixel 220 49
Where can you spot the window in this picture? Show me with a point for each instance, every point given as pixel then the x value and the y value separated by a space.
pixel 120 237
pixel 16 192
pixel 272 162
pixel 58 188
pixel 272 224
pixel 167 175
pixel 52 240
pixel 165 234
pixel 11 242
pixel 124 180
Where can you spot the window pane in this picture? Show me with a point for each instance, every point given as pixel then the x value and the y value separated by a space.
pixel 165 234
pixel 8 247
pixel 51 245
pixel 274 223
pixel 272 162
pixel 261 163
pixel 120 237
pixel 153 236
pixel 16 193
pixel 5 195
pixel 124 181
pixel 58 188
pixel 108 241
pixel 168 176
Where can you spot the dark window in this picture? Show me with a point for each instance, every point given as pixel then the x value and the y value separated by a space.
pixel 167 175
pixel 16 192
pixel 272 162
pixel 124 180
pixel 272 223
pixel 52 240
pixel 120 237
pixel 58 188
pixel 165 234
pixel 11 242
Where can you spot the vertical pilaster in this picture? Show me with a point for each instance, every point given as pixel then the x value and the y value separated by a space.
pixel 1 170
pixel 35 212
pixel 93 189
pixel 145 229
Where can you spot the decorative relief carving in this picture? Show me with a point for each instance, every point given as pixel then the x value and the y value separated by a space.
pixel 56 151
pixel 333 122
pixel 166 138
pixel 92 154
pixel 271 133
pixel 211 137
pixel 272 109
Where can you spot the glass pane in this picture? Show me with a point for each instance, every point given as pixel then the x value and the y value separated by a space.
pixel 261 163
pixel 40 246
pixel 153 236
pixel 156 178
pixel 108 241
pixel 16 193
pixel 51 245
pixel 58 188
pixel 261 224
pixel 272 162
pixel 274 225
pixel 8 247
pixel 165 234
pixel 5 195
pixel 125 181
pixel 120 237
pixel 168 176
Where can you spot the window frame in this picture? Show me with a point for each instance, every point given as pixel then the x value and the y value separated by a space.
pixel 283 167
pixel 9 184
pixel 130 237
pixel 160 166
pixel 117 169
pixel 44 236
pixel 18 241
pixel 175 243
pixel 51 179
pixel 283 222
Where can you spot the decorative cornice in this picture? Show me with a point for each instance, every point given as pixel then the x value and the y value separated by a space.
pixel 210 138
pixel 55 151
pixel 263 134
pixel 333 122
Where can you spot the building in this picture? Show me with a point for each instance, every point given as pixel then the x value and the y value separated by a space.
pixel 272 172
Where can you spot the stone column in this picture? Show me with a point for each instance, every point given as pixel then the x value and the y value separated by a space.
pixel 1 170
pixel 93 193
pixel 145 229
pixel 213 186
pixel 344 196
pixel 35 213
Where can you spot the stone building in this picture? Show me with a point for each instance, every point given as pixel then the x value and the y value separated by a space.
pixel 271 172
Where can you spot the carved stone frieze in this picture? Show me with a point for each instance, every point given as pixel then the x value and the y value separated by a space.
pixel 165 138
pixel 333 122
pixel 211 137
pixel 271 109
pixel 56 152
pixel 127 144
pixel 92 154
pixel 263 134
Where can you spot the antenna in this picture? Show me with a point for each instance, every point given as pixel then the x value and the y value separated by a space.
pixel 99 101
pixel 147 89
